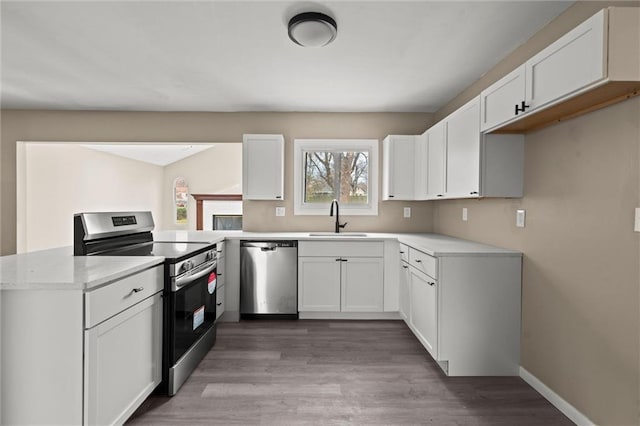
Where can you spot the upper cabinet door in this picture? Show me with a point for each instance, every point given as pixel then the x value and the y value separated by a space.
pixel 498 102
pixel 573 62
pixel 263 167
pixel 463 151
pixel 398 167
pixel 436 154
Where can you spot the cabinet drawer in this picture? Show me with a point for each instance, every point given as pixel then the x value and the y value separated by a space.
pixel 113 298
pixel 404 252
pixel 341 248
pixel 423 262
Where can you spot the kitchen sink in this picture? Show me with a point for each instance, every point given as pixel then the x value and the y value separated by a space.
pixel 333 234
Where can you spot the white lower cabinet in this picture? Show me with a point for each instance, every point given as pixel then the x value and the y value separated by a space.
pixel 123 362
pixel 404 296
pixel 424 307
pixel 465 310
pixel 81 356
pixel 361 283
pixel 318 284
pixel 332 280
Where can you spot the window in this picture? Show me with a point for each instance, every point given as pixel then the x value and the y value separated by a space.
pixel 345 170
pixel 180 198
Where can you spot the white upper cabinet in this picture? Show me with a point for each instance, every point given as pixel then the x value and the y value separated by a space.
pixel 398 175
pixel 263 167
pixel 463 151
pixel 498 102
pixel 435 154
pixel 595 64
pixel 574 61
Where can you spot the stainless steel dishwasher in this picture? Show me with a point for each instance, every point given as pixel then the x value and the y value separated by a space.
pixel 269 278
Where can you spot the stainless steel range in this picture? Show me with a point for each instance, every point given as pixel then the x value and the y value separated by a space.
pixel 189 290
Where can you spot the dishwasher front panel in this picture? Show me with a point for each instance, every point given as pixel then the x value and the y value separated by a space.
pixel 268 277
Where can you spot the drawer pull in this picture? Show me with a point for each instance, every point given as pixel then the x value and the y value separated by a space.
pixel 418 261
pixel 405 266
pixel 431 283
pixel 219 304
pixel 338 260
pixel 401 252
pixel 138 290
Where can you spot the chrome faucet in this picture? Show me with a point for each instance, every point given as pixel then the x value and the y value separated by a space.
pixel 338 226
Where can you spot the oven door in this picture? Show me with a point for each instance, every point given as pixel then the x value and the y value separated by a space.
pixel 192 309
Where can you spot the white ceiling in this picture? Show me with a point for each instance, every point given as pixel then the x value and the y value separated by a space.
pixel 161 154
pixel 235 55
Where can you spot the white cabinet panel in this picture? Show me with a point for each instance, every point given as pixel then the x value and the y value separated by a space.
pixel 405 307
pixel 436 151
pixel 463 151
pixel 263 167
pixel 498 102
pixel 362 284
pixel 318 284
pixel 398 175
pixel 123 362
pixel 219 301
pixel 574 61
pixel 424 310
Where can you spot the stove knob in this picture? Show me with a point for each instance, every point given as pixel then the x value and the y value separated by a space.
pixel 185 267
pixel 208 256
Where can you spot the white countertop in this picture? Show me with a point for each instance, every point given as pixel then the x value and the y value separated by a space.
pixel 433 244
pixel 59 269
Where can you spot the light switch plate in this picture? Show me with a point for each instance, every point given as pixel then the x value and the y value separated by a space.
pixel 279 211
pixel 520 217
pixel 465 215
pixel 407 212
pixel 637 225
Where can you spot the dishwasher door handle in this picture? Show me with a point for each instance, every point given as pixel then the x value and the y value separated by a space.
pixel 268 248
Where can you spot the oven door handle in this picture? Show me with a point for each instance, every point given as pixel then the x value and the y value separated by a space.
pixel 193 275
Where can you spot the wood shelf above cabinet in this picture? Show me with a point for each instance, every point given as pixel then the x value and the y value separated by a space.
pixel 589 100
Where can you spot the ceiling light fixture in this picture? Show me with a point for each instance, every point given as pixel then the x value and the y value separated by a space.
pixel 312 29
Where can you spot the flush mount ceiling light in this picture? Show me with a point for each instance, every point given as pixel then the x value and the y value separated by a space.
pixel 312 29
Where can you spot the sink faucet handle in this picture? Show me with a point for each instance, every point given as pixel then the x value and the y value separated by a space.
pixel 343 225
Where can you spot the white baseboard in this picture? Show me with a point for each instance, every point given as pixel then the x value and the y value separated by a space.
pixel 350 315
pixel 567 409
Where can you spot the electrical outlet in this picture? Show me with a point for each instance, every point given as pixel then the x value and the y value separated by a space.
pixel 520 218
pixel 637 225
pixel 465 215
pixel 407 212
pixel 279 211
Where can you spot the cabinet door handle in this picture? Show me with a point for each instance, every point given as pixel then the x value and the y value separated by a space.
pixel 401 252
pixel 138 290
pixel 391 196
pixel 219 304
pixel 474 193
pixel 343 260
pixel 431 283
pixel 439 195
pixel 338 260
pixel 418 261
pixel 522 107
pixel 219 274
pixel 278 196
pixel 405 266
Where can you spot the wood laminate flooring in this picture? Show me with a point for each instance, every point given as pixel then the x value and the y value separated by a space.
pixel 338 372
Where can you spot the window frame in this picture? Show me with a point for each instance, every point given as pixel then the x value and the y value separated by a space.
pixel 303 145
